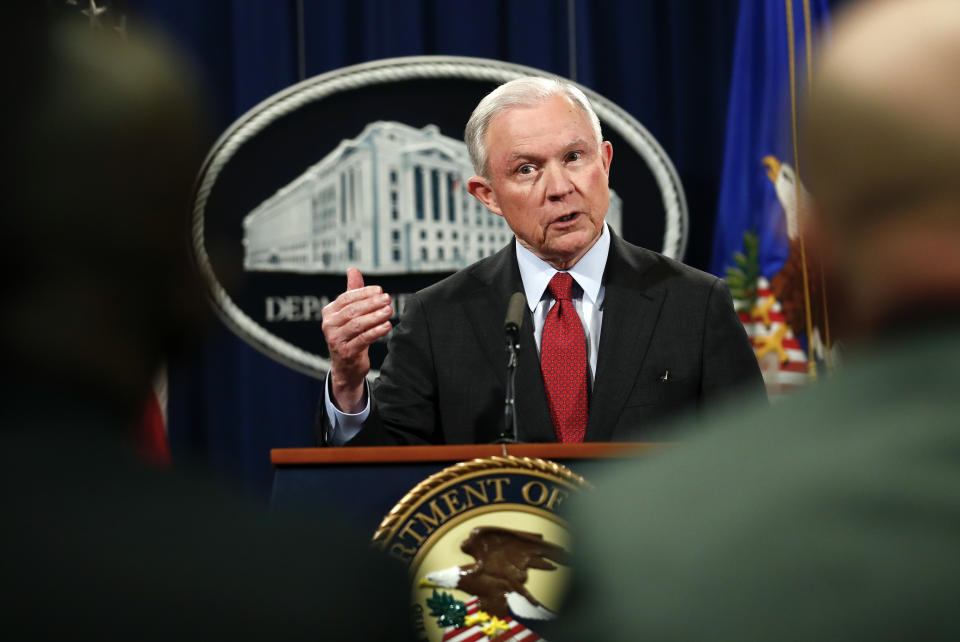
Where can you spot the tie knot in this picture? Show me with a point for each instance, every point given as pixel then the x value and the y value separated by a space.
pixel 561 286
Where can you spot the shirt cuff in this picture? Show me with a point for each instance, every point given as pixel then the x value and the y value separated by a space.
pixel 344 426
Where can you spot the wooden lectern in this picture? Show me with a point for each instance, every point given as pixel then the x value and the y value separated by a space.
pixel 362 484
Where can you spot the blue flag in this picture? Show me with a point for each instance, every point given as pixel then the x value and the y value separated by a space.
pixel 756 245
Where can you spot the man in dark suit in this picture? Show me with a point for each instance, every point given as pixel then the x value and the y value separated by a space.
pixel 833 515
pixel 670 339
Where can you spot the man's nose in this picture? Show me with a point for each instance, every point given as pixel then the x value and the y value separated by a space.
pixel 557 182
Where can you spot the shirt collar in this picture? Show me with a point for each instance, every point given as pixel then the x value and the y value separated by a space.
pixel 587 272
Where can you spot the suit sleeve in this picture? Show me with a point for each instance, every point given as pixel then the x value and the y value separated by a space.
pixel 729 366
pixel 404 408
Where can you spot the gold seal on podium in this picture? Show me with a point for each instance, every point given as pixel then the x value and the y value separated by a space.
pixel 487 547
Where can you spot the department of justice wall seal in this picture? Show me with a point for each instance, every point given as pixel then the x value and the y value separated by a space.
pixel 487 546
pixel 366 167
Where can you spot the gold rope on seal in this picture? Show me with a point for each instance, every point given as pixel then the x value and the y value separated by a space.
pixel 428 485
pixel 811 363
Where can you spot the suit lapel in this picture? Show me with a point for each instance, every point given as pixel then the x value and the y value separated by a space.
pixel 631 306
pixel 500 277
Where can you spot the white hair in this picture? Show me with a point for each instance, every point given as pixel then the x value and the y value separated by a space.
pixel 528 92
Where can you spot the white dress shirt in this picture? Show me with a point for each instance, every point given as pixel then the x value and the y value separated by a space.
pixel 535 273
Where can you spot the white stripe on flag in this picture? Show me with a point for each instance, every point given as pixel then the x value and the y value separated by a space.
pixel 161 390
pixel 472 634
pixel 520 632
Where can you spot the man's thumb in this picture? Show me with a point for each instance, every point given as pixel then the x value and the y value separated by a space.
pixel 354 279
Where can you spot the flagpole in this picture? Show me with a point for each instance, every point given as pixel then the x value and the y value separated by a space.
pixel 811 363
pixel 823 278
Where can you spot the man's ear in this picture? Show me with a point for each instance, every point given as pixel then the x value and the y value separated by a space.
pixel 606 155
pixel 483 192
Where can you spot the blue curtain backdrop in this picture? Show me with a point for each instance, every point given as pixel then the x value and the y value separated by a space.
pixel 667 62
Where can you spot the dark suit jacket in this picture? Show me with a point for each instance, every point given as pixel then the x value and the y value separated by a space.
pixel 443 379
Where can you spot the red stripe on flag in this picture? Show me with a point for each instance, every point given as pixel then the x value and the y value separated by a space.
pixel 150 439
pixel 518 633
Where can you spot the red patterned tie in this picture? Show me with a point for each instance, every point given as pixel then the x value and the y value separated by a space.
pixel 563 360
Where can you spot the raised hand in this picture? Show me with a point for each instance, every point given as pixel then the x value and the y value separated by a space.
pixel 351 322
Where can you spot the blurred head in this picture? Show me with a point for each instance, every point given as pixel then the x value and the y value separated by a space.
pixel 881 151
pixel 97 281
pixel 542 165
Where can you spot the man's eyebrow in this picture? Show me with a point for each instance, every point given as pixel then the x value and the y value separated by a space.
pixel 518 155
pixel 576 142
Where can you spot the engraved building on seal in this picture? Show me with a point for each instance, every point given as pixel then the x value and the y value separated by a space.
pixel 392 200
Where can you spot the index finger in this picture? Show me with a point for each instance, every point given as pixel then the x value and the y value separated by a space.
pixel 352 296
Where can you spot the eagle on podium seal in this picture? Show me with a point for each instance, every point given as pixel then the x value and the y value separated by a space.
pixel 487 547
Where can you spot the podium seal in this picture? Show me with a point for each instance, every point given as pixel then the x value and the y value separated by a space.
pixel 487 547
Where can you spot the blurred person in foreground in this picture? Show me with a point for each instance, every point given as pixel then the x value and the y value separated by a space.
pixel 97 287
pixel 836 514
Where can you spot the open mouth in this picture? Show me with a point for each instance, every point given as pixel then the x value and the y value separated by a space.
pixel 568 217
